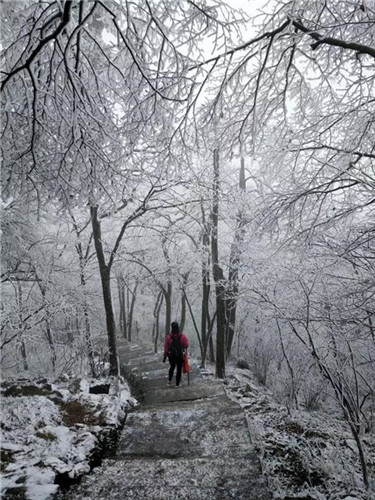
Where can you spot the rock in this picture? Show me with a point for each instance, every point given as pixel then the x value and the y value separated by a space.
pixel 18 493
pixel 75 386
pixel 99 389
pixel 243 364
pixel 251 389
pixel 56 397
pixel 42 381
pixel 25 390
pixel 47 387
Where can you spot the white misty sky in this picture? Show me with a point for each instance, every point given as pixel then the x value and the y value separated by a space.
pixel 253 7
pixel 249 6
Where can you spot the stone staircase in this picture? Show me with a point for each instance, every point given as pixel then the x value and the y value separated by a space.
pixel 180 443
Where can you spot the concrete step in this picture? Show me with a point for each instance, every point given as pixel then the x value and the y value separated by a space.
pixel 161 395
pixel 207 428
pixel 187 443
pixel 171 479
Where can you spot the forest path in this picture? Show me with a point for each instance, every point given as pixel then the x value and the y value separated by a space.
pixel 188 443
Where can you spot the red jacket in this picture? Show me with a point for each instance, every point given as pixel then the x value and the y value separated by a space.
pixel 168 342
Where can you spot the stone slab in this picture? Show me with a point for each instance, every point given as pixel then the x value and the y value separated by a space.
pixel 161 395
pixel 189 443
pixel 172 479
pixel 207 429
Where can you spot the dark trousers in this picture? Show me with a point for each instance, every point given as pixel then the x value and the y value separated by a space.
pixel 175 362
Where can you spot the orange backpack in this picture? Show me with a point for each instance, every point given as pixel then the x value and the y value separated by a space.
pixel 186 365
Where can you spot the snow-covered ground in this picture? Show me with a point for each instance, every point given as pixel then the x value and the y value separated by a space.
pixel 55 432
pixel 305 455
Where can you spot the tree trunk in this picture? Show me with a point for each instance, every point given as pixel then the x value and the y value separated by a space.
pixel 49 335
pixel 89 347
pixel 124 314
pixel 155 326
pixel 211 339
pixel 234 261
pixel 105 276
pixel 293 396
pixel 82 258
pixel 51 341
pixel 21 326
pixel 205 292
pixel 121 304
pixel 127 307
pixel 183 302
pixel 168 290
pixel 194 324
pixel 204 313
pixel 212 350
pixel 77 318
pixel 218 276
pixel 183 312
pixel 371 325
pixel 168 307
pixel 69 330
pixel 131 311
pixel 86 316
pixel 205 274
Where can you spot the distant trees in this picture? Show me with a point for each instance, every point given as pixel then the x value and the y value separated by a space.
pixel 84 253
pixel 41 293
pixel 127 295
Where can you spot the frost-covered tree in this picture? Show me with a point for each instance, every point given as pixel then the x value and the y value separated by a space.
pixel 41 295
pixel 95 93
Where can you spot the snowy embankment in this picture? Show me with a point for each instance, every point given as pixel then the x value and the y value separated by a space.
pixel 305 455
pixel 53 433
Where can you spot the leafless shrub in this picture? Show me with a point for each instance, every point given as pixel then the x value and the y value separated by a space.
pixel 261 356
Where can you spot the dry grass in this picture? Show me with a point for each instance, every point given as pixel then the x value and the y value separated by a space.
pixel 26 390
pixel 74 412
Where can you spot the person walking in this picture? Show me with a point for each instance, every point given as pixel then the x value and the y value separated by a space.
pixel 175 345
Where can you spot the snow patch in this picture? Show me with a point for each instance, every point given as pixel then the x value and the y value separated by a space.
pixel 304 454
pixel 39 441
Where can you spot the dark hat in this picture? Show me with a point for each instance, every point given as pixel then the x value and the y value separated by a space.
pixel 175 327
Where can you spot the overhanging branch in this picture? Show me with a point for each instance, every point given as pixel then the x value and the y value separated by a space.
pixel 320 40
pixel 64 21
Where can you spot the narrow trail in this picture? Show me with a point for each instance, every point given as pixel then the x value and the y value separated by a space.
pixel 180 443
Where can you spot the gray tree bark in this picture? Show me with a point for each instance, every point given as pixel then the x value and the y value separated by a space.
pixel 21 326
pixel 122 305
pixel 82 259
pixel 183 301
pixel 168 290
pixel 218 275
pixel 206 286
pixel 131 311
pixel 47 322
pixel 234 261
pixel 105 277
pixel 155 326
